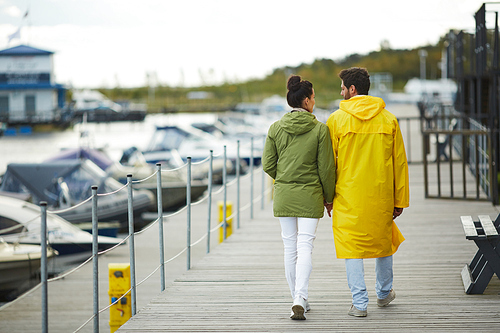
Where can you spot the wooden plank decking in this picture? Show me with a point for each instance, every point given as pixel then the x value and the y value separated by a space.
pixel 240 286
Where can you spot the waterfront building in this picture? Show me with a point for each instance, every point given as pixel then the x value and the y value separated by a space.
pixel 28 92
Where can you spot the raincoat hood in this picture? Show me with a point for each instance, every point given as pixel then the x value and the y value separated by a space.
pixel 298 121
pixel 363 107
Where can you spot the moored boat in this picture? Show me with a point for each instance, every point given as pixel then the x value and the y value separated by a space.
pixel 20 222
pixel 133 163
pixel 19 263
pixel 92 106
pixel 65 184
pixel 174 144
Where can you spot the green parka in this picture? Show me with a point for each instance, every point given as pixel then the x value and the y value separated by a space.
pixel 298 155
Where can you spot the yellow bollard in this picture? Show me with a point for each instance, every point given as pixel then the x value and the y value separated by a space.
pixel 119 283
pixel 229 227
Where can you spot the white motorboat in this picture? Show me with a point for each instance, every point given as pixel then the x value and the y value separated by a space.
pixel 92 106
pixel 187 141
pixel 19 263
pixel 20 222
pixel 174 181
pixel 64 184
pixel 232 127
pixel 133 163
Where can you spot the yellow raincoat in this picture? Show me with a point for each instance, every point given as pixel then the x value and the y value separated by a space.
pixel 372 178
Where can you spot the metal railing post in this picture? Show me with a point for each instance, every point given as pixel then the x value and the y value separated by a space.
pixel 159 197
pixel 43 268
pixel 224 205
pixel 476 153
pixel 464 164
pixel 490 168
pixel 251 178
pixel 95 258
pixel 408 139
pixel 262 189
pixel 210 181
pixel 188 203
pixel 438 165
pixel 450 152
pixel 131 243
pixel 425 138
pixel 238 161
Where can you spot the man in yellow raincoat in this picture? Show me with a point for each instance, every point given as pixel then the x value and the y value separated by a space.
pixel 371 188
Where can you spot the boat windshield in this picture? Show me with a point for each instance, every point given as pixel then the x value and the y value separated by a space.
pixel 11 184
pixel 73 188
pixel 9 226
pixel 166 139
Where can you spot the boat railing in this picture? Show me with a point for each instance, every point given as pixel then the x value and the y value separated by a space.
pixel 250 176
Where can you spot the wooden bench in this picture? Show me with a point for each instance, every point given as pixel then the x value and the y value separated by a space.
pixel 486 262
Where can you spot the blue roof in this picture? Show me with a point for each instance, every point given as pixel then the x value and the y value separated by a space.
pixel 23 50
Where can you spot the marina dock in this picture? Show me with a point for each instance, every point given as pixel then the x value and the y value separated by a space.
pixel 240 285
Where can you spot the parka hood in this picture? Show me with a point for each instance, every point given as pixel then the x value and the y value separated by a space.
pixel 363 107
pixel 297 122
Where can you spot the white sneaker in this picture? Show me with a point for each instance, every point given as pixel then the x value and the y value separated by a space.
pixel 308 307
pixel 298 309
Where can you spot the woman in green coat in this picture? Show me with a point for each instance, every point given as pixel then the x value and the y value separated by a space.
pixel 298 155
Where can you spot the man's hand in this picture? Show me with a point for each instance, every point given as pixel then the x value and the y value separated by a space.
pixel 397 211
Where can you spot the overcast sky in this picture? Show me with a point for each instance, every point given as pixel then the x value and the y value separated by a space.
pixel 191 42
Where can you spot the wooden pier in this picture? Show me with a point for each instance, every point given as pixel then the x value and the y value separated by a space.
pixel 240 285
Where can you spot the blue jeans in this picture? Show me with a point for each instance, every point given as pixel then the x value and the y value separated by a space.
pixel 356 280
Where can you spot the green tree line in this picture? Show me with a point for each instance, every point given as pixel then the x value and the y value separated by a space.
pixel 403 64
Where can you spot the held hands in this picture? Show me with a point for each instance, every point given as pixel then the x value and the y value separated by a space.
pixel 329 207
pixel 397 211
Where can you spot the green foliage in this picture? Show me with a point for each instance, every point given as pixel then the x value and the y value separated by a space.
pixel 323 73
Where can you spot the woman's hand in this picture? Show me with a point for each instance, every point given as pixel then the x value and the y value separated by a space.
pixel 329 207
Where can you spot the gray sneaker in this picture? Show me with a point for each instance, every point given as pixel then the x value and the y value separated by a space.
pixel 298 309
pixel 355 312
pixel 387 300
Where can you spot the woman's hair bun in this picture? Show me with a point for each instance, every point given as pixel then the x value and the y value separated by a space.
pixel 298 90
pixel 293 83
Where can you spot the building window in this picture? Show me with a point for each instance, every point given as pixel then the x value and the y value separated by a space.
pixel 4 108
pixel 29 105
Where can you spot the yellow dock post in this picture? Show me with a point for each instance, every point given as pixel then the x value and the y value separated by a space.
pixel 229 227
pixel 119 284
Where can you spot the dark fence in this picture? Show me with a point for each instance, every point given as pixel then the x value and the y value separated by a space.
pixel 457 155
pixel 473 62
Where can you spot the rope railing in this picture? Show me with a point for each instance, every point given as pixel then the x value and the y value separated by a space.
pixel 202 161
pixel 69 272
pixel 65 210
pixel 147 178
pixel 175 169
pixel 111 193
pixel 130 236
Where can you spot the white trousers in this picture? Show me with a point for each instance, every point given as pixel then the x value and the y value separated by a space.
pixel 298 235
